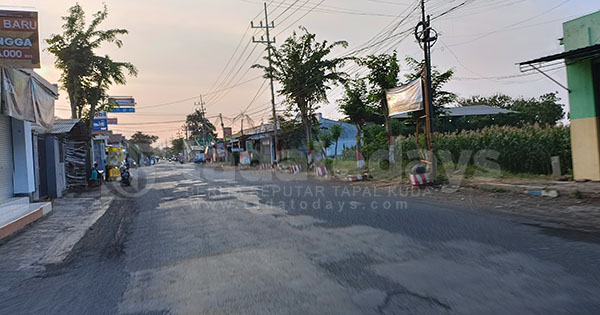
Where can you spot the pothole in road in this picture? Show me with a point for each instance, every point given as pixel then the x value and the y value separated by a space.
pixel 410 303
pixel 354 272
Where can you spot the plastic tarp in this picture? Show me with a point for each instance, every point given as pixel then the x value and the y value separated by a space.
pixel 27 99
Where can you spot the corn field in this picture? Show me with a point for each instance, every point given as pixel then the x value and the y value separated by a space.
pixel 521 149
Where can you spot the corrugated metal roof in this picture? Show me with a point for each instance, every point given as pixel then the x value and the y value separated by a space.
pixel 475 110
pixel 585 52
pixel 60 126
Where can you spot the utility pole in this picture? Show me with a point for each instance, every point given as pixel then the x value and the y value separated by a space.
pixel 223 128
pixel 203 119
pixel 427 37
pixel 267 27
pixel 242 134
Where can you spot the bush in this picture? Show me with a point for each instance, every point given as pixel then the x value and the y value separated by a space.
pixel 521 149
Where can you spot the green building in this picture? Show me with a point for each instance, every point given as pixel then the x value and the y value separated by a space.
pixel 581 39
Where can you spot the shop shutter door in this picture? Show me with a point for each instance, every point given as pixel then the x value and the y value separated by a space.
pixel 6 159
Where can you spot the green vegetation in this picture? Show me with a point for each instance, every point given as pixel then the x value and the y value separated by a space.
pixel 86 76
pixel 516 150
pixel 523 152
pixel 302 68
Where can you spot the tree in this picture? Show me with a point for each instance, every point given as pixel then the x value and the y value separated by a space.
pixel 326 139
pixel 144 142
pixel 199 125
pixel 336 132
pixel 105 72
pixel 177 145
pixel 85 76
pixel 545 110
pixel 355 107
pixel 301 66
pixel 440 97
pixel 383 75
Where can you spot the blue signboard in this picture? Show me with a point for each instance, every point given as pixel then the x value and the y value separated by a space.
pixel 123 110
pixel 100 125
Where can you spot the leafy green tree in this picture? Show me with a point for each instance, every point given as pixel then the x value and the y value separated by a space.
pixel 326 139
pixel 199 125
pixel 383 75
pixel 85 76
pixel 105 72
pixel 144 142
pixel 305 74
pixel 336 133
pixel 177 145
pixel 439 79
pixel 545 110
pixel 355 106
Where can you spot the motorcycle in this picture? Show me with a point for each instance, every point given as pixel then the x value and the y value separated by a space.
pixel 125 176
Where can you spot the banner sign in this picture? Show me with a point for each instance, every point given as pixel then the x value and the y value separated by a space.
pixel 122 101
pixel 123 110
pixel 245 158
pixel 100 115
pixel 227 132
pixel 405 99
pixel 19 39
pixel 100 125
pixel 221 150
pixel 112 121
pixel 204 141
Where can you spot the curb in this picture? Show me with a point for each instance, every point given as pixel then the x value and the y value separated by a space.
pixel 357 178
pixel 40 210
pixel 532 190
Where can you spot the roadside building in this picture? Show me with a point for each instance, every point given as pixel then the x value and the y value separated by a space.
pixel 26 98
pixel 259 142
pixel 347 138
pixel 62 150
pixel 581 39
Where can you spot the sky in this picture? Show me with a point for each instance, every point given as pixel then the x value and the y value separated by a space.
pixel 187 48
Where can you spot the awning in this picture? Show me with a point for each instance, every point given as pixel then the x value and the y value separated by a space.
pixel 27 96
pixel 61 126
pixel 581 53
pixel 260 136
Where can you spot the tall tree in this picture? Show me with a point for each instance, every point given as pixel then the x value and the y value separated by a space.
pixel 144 142
pixel 383 75
pixel 85 76
pixel 199 125
pixel 336 133
pixel 177 145
pixel 104 73
pixel 355 107
pixel 305 74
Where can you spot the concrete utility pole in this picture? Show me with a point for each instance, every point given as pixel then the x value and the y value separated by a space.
pixel 242 134
pixel 203 116
pixel 427 37
pixel 269 43
pixel 223 128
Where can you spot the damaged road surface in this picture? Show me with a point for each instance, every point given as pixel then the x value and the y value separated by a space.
pixel 196 240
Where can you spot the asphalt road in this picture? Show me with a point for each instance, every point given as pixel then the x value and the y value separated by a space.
pixel 192 240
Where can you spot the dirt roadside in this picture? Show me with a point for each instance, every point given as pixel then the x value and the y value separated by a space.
pixel 564 212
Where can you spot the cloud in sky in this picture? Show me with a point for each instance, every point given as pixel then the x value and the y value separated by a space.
pixel 181 46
